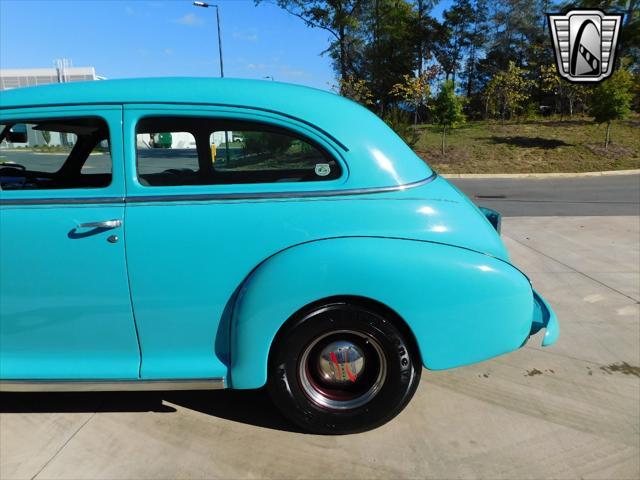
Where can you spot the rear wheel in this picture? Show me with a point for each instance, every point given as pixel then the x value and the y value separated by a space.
pixel 342 368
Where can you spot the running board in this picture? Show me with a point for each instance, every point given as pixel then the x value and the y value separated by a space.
pixel 110 385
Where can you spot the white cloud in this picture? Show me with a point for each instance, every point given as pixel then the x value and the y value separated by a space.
pixel 292 73
pixel 280 71
pixel 258 66
pixel 247 36
pixel 129 10
pixel 168 51
pixel 190 19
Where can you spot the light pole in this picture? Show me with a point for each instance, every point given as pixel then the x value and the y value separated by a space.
pixel 207 5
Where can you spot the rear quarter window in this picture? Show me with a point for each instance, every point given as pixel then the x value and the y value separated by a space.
pixel 197 151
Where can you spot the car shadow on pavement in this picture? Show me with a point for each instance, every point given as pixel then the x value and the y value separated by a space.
pixel 83 402
pixel 253 407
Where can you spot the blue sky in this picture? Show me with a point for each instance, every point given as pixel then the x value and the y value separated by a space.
pixel 140 38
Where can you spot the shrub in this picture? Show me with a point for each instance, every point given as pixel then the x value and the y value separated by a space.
pixel 401 122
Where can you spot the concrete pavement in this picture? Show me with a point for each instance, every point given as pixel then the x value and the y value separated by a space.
pixel 568 411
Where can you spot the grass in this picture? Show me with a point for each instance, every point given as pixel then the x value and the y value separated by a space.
pixel 532 146
pixel 47 149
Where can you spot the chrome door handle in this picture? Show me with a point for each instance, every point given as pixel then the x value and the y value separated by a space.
pixel 108 224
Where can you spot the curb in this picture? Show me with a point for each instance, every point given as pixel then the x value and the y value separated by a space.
pixel 607 173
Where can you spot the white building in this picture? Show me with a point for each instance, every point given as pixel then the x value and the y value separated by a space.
pixel 31 77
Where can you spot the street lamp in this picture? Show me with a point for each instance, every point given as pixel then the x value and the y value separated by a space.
pixel 207 5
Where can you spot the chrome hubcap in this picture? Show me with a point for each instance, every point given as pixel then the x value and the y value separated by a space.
pixel 340 362
pixel 342 370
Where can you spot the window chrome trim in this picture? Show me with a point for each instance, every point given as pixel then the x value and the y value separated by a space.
pixel 124 104
pixel 110 385
pixel 203 197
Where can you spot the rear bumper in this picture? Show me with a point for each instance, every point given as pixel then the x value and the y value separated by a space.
pixel 544 317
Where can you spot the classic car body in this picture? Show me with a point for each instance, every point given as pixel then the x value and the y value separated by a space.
pixel 137 281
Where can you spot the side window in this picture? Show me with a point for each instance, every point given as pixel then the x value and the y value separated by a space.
pixel 166 158
pixel 99 160
pixel 55 154
pixel 200 151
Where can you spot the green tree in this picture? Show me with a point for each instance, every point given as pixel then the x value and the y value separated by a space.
pixel 477 38
pixel 455 37
pixel 564 92
pixel 388 51
pixel 355 89
pixel 399 120
pixel 415 90
pixel 516 32
pixel 46 136
pixel 372 40
pixel 635 90
pixel 518 27
pixel 447 109
pixel 508 91
pixel 611 100
pixel 425 32
pixel 338 17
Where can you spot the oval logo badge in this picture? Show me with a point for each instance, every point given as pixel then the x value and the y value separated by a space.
pixel 323 169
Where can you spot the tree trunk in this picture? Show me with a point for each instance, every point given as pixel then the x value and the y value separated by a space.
pixel 415 116
pixel 343 53
pixel 570 108
pixel 471 62
pixel 420 40
pixel 606 139
pixel 444 135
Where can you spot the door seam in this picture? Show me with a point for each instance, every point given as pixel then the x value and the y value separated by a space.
pixel 124 239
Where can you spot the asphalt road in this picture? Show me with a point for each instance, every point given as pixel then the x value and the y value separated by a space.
pixel 577 196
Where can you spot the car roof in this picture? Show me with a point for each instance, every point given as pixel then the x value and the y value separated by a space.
pixel 377 156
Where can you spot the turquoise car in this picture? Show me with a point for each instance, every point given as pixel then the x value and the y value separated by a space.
pixel 280 236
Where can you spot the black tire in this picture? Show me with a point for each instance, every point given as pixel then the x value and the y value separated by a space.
pixel 298 388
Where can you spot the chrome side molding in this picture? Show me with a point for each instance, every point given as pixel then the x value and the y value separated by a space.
pixel 110 385
pixel 207 197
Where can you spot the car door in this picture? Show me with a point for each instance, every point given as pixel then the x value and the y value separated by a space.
pixel 65 307
pixel 200 217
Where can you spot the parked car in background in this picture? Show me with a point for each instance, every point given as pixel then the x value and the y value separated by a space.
pixel 281 236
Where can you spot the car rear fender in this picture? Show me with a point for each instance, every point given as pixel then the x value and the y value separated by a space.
pixel 462 306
